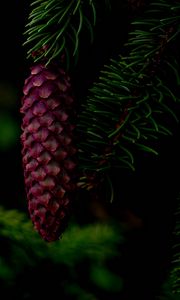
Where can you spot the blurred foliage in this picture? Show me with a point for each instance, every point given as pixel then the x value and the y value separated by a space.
pixel 76 265
pixel 171 286
pixel 8 95
pixel 9 131
pixel 167 293
pixel 174 278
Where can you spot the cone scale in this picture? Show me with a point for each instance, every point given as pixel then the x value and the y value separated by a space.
pixel 48 150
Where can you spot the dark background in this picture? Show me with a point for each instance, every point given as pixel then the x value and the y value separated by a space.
pixel 12 74
pixel 149 193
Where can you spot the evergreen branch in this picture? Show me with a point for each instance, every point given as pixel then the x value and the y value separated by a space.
pixel 171 287
pixel 54 26
pixel 125 106
pixel 175 271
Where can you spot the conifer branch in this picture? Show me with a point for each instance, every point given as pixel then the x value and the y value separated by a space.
pixel 171 287
pixel 175 271
pixel 54 28
pixel 125 109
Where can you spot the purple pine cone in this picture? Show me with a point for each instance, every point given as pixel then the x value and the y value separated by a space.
pixel 48 150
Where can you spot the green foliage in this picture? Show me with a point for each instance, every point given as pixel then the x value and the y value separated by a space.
pixel 106 279
pixel 167 293
pixel 9 131
pixel 171 287
pixel 54 28
pixel 175 272
pixel 128 107
pixel 91 246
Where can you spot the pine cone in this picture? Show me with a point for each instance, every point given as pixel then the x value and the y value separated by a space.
pixel 48 152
